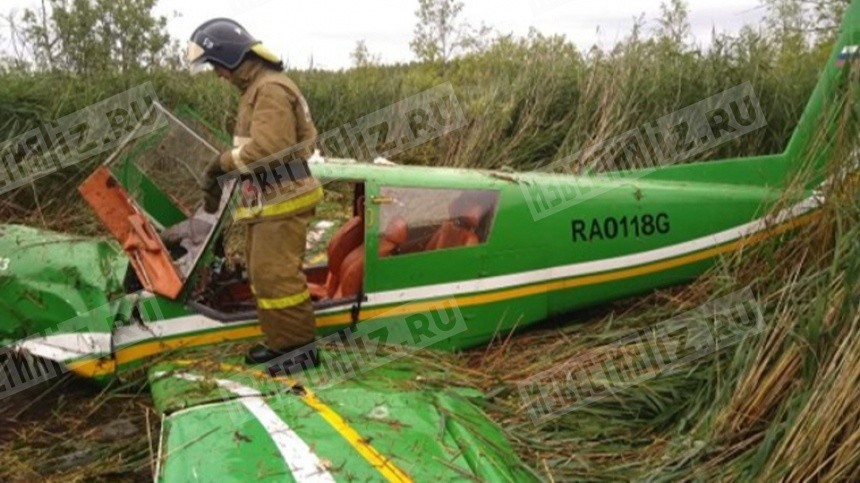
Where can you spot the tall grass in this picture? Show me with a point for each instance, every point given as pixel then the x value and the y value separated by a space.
pixel 526 102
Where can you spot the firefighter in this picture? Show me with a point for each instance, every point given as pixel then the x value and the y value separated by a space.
pixel 273 140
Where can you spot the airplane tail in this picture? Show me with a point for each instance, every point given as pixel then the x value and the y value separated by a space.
pixel 826 122
pixel 827 118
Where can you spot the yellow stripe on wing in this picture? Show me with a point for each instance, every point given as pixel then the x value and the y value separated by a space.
pixel 382 464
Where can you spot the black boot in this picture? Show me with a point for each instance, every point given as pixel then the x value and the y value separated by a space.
pixel 284 362
pixel 260 354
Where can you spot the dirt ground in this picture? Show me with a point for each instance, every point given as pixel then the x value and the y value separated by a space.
pixel 69 429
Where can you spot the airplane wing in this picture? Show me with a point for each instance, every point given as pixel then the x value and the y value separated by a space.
pixel 225 422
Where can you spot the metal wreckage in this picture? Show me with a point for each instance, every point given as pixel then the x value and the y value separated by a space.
pixel 430 257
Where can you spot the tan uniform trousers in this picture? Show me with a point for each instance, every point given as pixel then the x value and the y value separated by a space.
pixel 274 252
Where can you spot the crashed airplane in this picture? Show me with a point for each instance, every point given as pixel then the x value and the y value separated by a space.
pixel 438 258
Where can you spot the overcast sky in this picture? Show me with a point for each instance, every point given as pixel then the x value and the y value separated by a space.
pixel 328 30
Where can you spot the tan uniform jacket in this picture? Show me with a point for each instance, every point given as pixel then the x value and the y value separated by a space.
pixel 274 133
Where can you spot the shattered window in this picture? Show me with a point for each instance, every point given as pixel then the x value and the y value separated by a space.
pixel 416 220
pixel 162 171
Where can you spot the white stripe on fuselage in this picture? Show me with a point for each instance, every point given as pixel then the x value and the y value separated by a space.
pixel 129 334
pixel 64 347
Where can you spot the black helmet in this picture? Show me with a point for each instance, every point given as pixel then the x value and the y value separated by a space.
pixel 224 42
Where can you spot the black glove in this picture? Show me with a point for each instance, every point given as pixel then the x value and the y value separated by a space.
pixel 210 186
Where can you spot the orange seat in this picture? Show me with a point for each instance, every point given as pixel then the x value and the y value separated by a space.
pixel 395 235
pixel 346 257
pixel 342 243
pixel 317 291
pixel 459 230
pixel 351 274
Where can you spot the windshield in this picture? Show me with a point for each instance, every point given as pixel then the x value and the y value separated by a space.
pixel 161 173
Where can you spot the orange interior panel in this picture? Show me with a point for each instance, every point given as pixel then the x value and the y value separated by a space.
pixel 147 253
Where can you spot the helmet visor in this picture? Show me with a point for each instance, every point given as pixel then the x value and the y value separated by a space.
pixel 196 60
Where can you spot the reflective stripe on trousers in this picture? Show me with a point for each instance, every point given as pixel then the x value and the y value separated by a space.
pixel 274 252
pixel 283 302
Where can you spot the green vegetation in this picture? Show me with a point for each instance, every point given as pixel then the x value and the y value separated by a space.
pixel 780 405
pixel 527 101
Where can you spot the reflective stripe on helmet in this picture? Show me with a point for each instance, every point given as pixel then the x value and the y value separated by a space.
pixel 265 53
